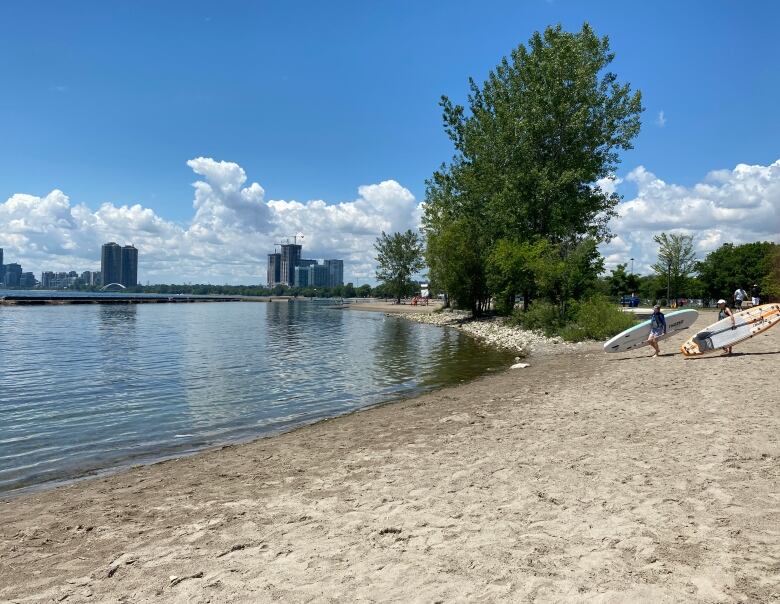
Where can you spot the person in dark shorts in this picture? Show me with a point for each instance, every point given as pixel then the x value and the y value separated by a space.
pixel 657 329
pixel 723 312
pixel 755 294
pixel 739 297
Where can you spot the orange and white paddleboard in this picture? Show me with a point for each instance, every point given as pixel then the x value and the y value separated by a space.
pixel 747 323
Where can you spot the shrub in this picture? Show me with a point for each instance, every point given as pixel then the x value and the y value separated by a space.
pixel 594 319
pixel 572 333
pixel 599 319
pixel 541 315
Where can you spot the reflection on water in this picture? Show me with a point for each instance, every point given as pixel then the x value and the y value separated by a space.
pixel 92 387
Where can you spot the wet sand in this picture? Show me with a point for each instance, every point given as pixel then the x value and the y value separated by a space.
pixel 585 477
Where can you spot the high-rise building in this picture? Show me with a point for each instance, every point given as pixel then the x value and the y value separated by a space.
pixel 47 279
pixel 129 273
pixel 274 269
pixel 335 272
pixel 111 263
pixel 119 264
pixel 301 276
pixel 27 280
pixel 318 275
pixel 301 272
pixel 291 256
pixel 2 268
pixel 13 273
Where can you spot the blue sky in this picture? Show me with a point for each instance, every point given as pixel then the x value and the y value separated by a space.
pixel 107 101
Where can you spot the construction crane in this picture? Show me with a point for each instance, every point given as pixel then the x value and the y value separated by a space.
pixel 294 238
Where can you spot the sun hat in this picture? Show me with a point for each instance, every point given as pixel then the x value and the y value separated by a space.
pixel 721 301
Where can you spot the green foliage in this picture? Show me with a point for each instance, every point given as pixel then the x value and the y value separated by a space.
pixel 732 266
pixel 547 123
pixel 541 315
pixel 622 283
pixel 456 265
pixel 399 256
pixel 569 273
pixel 676 262
pixel 513 268
pixel 652 287
pixel 596 318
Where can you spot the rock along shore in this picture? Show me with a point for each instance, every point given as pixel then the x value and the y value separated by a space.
pixel 494 331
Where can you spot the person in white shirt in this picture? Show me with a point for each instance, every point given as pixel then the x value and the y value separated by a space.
pixel 739 297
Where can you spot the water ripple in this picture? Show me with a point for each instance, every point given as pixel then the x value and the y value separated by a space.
pixel 85 388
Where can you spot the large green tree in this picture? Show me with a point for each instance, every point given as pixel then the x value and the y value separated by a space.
pixel 399 257
pixel 732 266
pixel 538 135
pixel 676 262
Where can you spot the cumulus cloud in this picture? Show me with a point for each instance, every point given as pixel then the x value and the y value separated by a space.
pixel 232 229
pixel 740 206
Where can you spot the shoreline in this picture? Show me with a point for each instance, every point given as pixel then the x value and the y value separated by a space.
pixel 492 331
pixel 577 478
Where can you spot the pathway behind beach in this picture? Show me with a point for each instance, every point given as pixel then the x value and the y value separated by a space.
pixel 586 477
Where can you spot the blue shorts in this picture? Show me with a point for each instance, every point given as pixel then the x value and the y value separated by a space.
pixel 657 332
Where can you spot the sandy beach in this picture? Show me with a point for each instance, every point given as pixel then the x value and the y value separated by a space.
pixel 392 307
pixel 583 478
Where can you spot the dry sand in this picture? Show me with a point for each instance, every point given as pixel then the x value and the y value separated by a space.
pixel 586 477
pixel 391 307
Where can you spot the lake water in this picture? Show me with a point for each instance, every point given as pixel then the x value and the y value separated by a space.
pixel 97 387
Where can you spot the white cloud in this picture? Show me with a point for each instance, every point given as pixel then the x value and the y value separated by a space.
pixel 609 184
pixel 740 206
pixel 232 230
pixel 661 119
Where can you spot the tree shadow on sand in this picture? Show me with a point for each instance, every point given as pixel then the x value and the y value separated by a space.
pixel 647 356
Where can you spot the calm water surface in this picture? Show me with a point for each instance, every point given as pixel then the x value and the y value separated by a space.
pixel 89 388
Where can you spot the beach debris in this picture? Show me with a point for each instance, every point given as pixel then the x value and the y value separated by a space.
pixel 119 561
pixel 391 530
pixel 176 580
pixel 237 547
pixel 520 365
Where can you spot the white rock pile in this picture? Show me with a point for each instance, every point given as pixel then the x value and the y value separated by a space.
pixel 494 331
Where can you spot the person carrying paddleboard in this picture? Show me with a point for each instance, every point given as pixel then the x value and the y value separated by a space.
pixel 723 312
pixel 657 329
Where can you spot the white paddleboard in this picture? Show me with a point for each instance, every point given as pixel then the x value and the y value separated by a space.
pixel 636 336
pixel 747 323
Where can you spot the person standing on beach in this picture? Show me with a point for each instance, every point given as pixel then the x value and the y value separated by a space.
pixel 739 297
pixel 755 294
pixel 657 329
pixel 723 312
